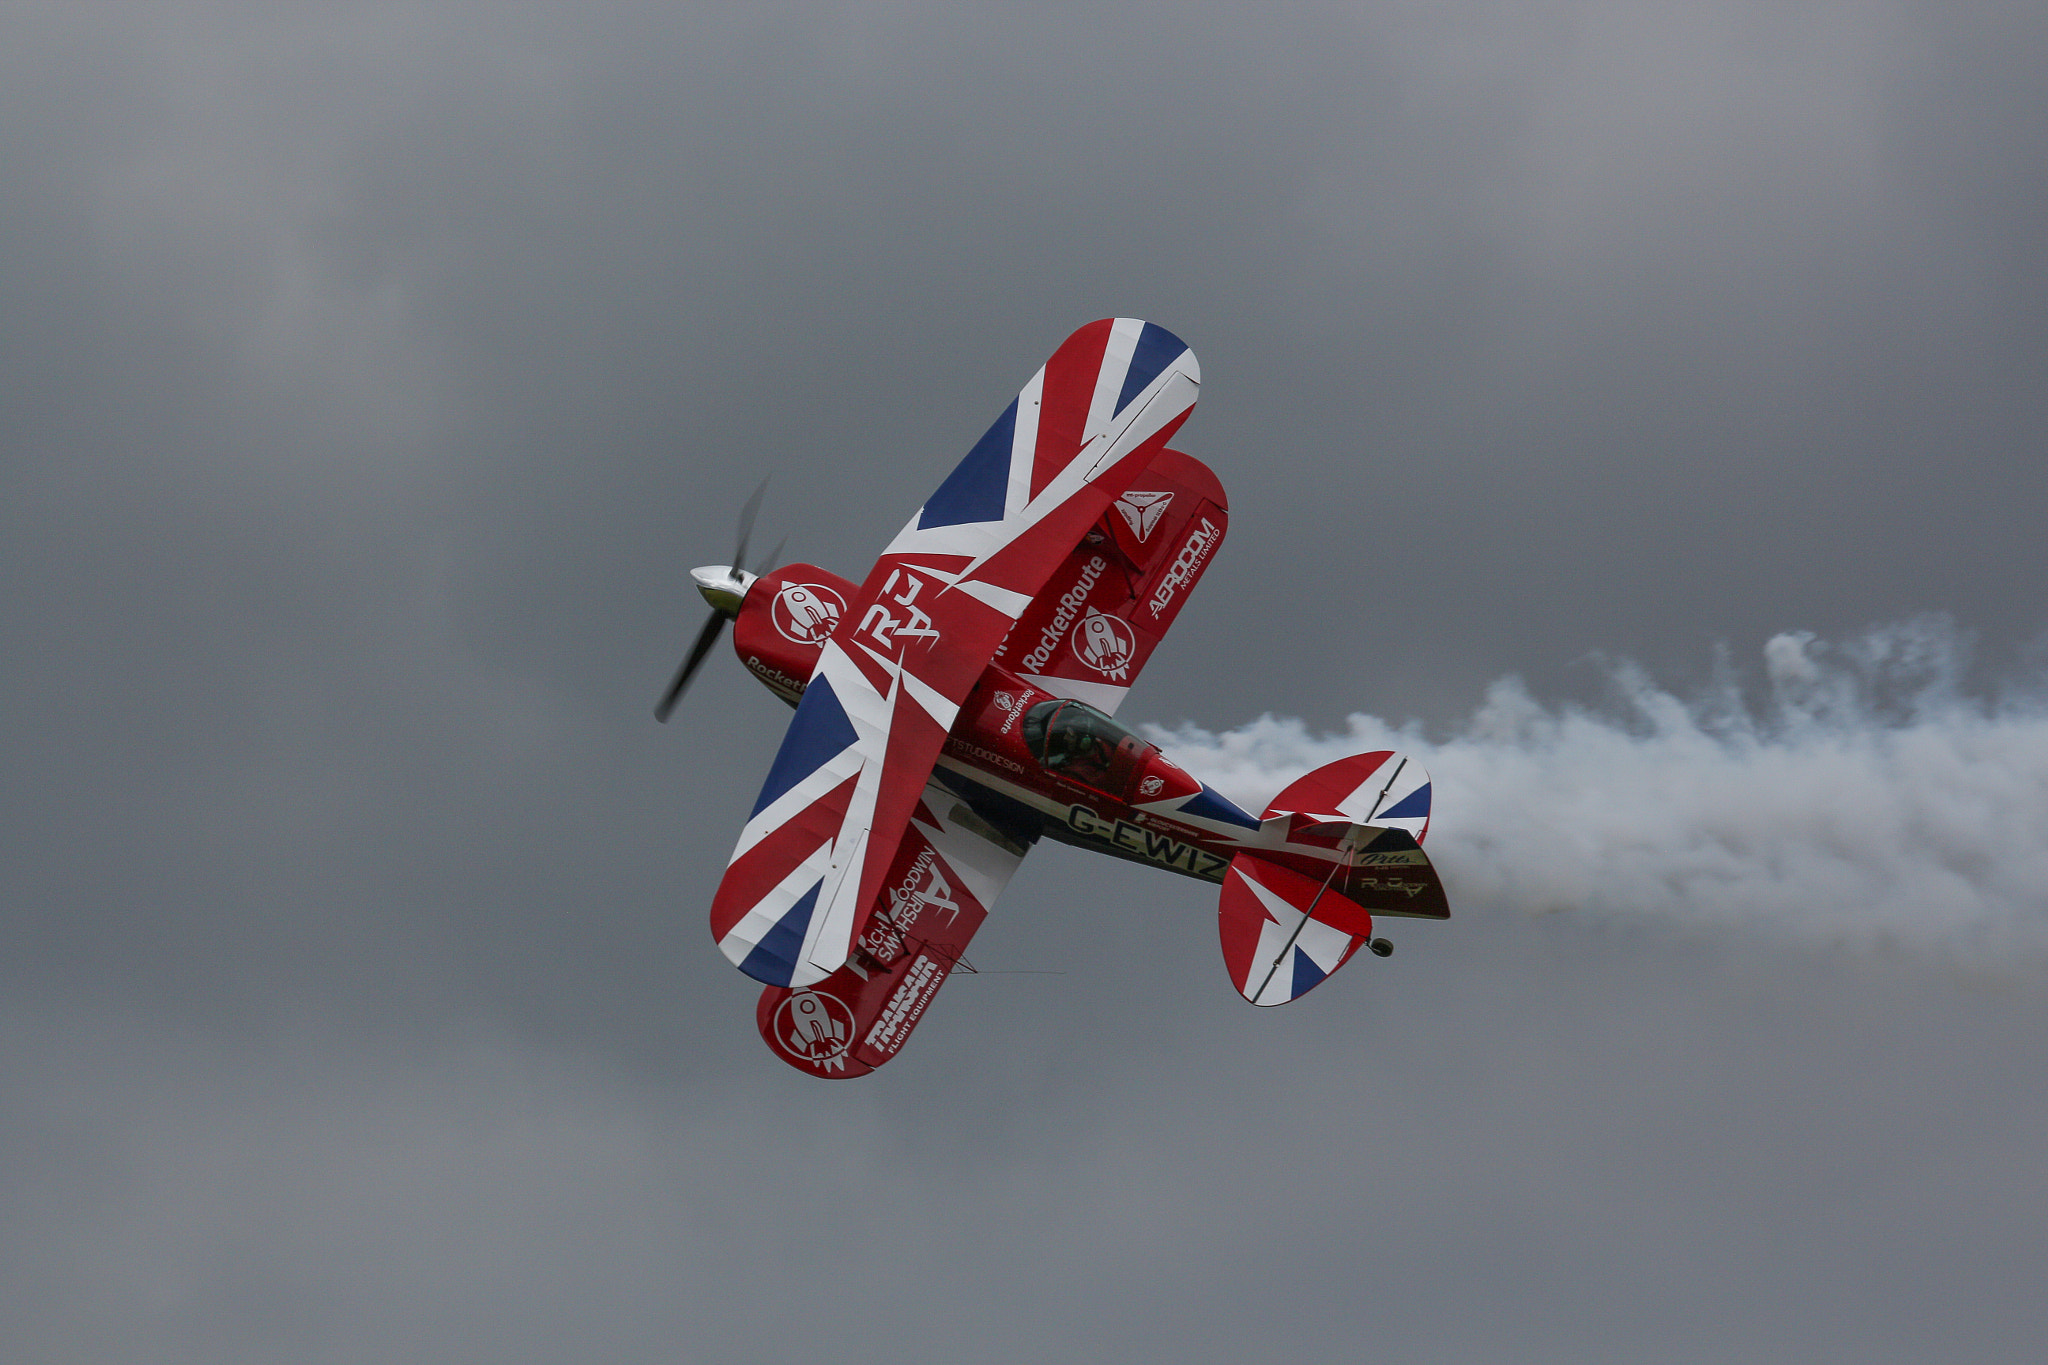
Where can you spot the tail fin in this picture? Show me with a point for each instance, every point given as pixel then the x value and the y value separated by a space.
pixel 1382 788
pixel 1340 846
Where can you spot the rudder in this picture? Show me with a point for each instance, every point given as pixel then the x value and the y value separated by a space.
pixel 1339 845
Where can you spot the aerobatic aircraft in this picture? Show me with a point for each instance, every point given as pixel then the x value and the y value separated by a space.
pixel 956 706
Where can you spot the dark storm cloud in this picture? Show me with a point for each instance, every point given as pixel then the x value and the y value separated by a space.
pixel 371 379
pixel 1473 1161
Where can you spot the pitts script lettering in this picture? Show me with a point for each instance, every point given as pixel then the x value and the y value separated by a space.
pixel 1186 564
pixel 1071 602
pixel 1400 858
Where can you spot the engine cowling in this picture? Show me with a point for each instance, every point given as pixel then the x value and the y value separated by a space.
pixel 783 624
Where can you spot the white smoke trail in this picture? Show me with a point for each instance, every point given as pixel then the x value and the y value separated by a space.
pixel 1866 801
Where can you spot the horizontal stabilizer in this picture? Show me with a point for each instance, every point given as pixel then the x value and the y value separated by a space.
pixel 1282 931
pixel 1337 847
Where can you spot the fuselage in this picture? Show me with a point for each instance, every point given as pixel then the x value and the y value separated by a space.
pixel 1025 762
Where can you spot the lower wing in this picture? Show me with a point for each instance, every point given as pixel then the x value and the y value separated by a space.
pixel 945 874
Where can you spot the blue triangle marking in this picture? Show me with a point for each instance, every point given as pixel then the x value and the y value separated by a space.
pixel 773 961
pixel 1307 975
pixel 1415 803
pixel 1156 349
pixel 819 733
pixel 978 485
pixel 1211 804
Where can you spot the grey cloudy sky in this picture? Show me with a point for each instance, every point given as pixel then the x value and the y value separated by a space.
pixel 371 377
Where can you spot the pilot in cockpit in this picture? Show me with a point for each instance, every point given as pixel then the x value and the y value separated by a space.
pixel 1072 738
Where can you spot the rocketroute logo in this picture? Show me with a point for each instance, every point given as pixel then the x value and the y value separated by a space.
pixel 806 612
pixel 1105 644
pixel 816 1028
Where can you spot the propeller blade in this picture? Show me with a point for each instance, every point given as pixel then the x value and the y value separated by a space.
pixel 774 557
pixel 705 639
pixel 709 635
pixel 747 514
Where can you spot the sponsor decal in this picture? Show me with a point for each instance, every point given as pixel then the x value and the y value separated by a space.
pixel 1403 858
pixel 815 1027
pixel 1105 644
pixel 1013 703
pixel 981 755
pixel 1151 821
pixel 774 677
pixel 924 887
pixel 1142 511
pixel 1187 564
pixel 1070 603
pixel 880 941
pixel 883 624
pixel 1137 841
pixel 1152 785
pixel 920 984
pixel 806 612
pixel 1390 885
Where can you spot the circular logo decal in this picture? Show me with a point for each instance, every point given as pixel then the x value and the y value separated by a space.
pixel 1105 643
pixel 806 612
pixel 814 1027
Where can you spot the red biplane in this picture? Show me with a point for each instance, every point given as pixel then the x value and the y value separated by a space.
pixel 955 707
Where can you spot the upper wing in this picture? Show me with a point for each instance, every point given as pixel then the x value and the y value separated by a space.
pixel 1097 620
pixel 813 855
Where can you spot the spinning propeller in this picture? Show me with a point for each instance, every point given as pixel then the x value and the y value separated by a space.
pixel 723 587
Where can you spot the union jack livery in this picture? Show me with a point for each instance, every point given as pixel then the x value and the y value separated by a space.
pixel 955 707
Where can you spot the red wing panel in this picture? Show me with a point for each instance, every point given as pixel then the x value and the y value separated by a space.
pixel 1107 607
pixel 936 895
